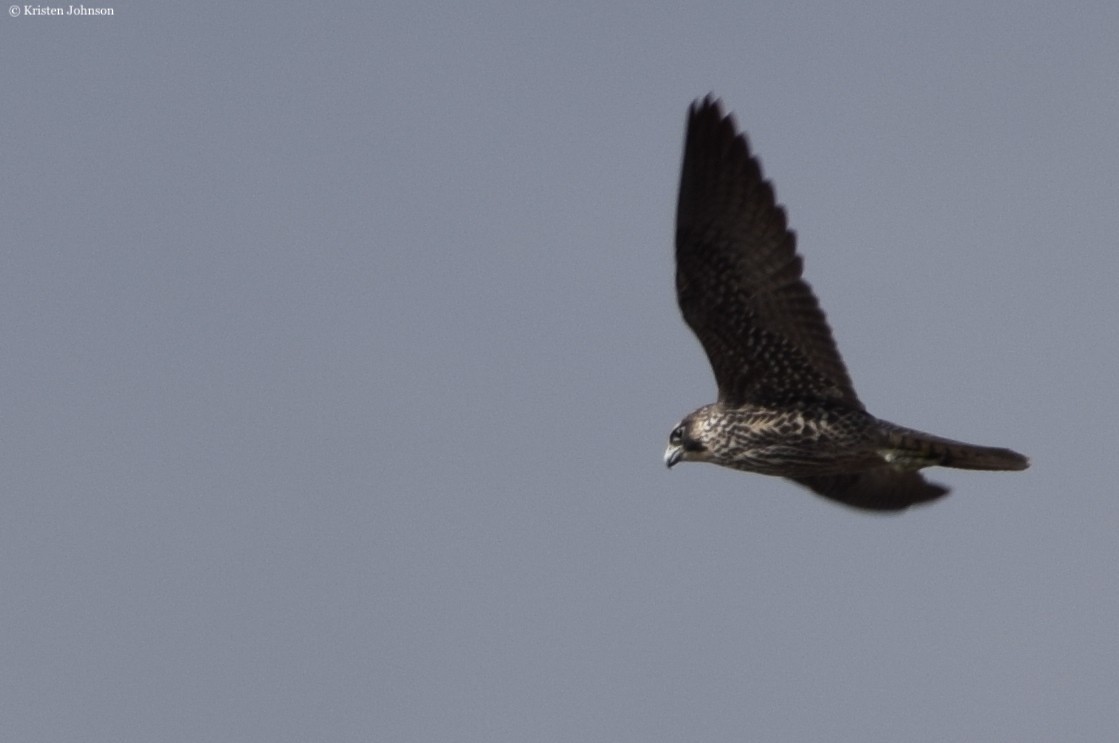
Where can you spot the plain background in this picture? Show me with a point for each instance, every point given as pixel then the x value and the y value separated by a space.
pixel 338 352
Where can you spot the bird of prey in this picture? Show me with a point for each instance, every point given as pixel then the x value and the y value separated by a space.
pixel 786 405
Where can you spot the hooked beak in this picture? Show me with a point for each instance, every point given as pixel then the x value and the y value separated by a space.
pixel 673 454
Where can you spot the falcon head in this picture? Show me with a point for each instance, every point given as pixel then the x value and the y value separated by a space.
pixel 688 441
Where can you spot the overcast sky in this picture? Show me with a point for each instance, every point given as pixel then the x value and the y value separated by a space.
pixel 339 350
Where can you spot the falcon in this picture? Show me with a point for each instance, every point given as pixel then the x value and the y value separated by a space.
pixel 786 405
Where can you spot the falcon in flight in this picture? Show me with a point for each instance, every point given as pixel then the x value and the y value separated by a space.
pixel 786 405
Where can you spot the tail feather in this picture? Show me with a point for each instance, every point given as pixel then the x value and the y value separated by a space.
pixel 908 447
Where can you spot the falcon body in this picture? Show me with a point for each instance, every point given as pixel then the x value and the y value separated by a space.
pixel 786 404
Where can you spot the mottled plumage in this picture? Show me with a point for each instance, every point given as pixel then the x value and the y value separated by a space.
pixel 786 404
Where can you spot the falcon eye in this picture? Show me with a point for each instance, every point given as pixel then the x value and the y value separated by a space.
pixel 677 435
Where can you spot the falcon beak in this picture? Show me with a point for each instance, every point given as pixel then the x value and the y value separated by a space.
pixel 673 454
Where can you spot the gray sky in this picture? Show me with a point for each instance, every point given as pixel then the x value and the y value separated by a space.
pixel 339 352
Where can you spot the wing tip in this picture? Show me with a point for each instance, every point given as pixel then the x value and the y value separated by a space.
pixel 710 107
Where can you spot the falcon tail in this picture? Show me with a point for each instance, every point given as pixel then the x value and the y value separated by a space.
pixel 912 449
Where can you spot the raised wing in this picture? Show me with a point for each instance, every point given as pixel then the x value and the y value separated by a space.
pixel 738 276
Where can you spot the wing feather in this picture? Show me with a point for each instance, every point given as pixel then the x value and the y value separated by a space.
pixel 738 276
pixel 879 489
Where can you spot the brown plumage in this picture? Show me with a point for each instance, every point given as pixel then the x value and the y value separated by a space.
pixel 786 403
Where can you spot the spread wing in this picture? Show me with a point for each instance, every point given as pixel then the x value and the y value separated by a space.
pixel 879 489
pixel 738 276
